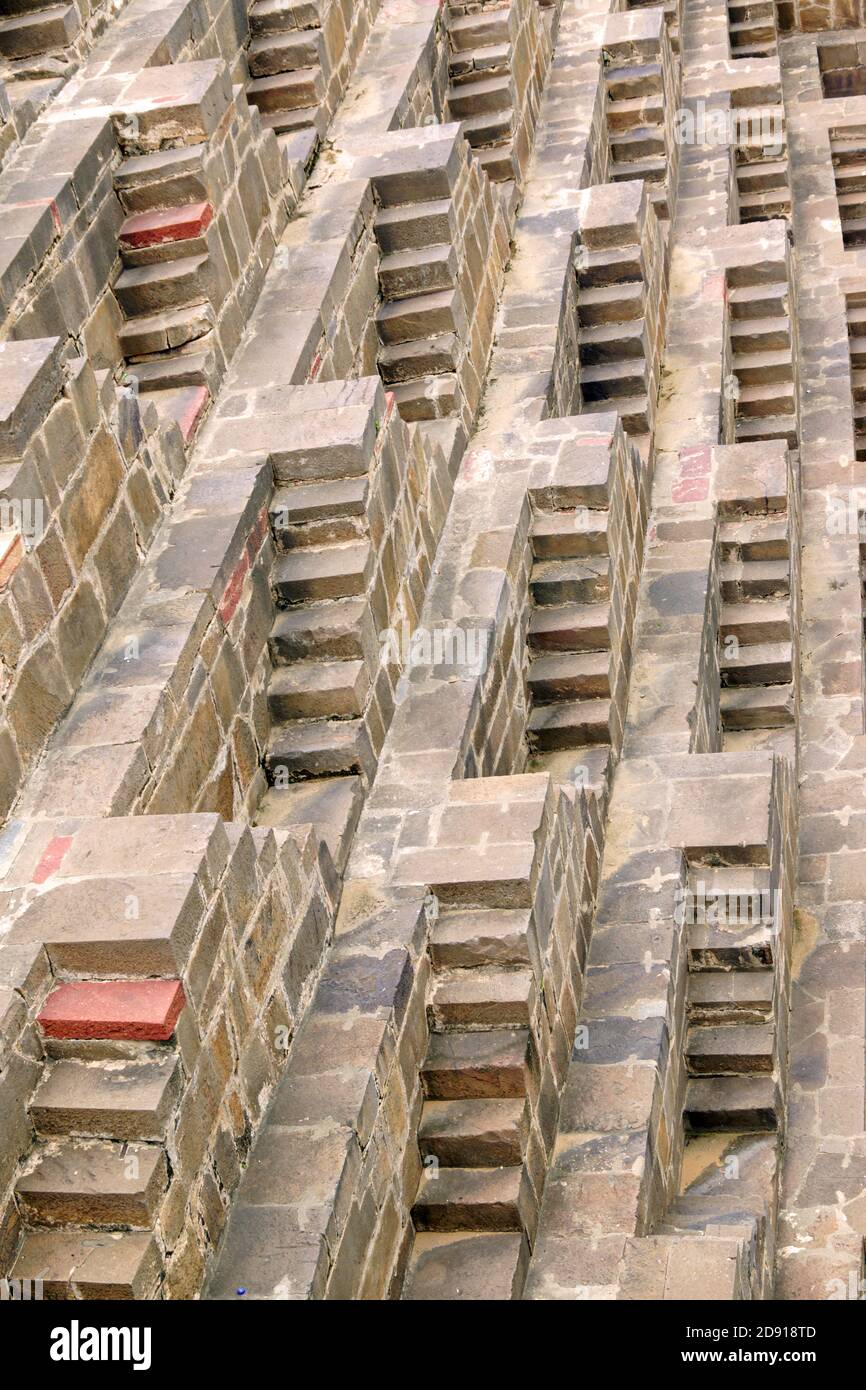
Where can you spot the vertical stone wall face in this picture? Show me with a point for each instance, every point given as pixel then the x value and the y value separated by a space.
pixel 431 650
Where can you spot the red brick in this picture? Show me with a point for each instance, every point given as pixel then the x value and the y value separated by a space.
pixel 166 224
pixel 140 1010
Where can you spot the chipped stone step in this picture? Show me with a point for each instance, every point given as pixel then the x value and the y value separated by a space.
pixel 295 120
pixel 430 398
pixel 633 411
pixel 741 1049
pixel 461 1066
pixel 588 768
pixel 106 1100
pixel 497 163
pixel 482 1267
pixel 161 332
pixel 760 335
pixel 93 1185
pixel 717 997
pixel 569 676
pixel 470 1199
pixel 86 1264
pixel 128 1010
pixel 483 936
pixel 759 301
pixel 754 538
pixel 148 289
pixel 318 748
pixel 473 1133
pixel 404 274
pixel 763 207
pixel 570 724
pixel 287 91
pixel 569 534
pixel 486 997
pixel 474 97
pixel 270 54
pixel 319 514
pixel 488 59
pixel 728 1104
pixel 611 381
pixel 754 429
pixel 174 372
pixel 570 627
pixel 626 113
pixel 490 128
pixel 41 31
pixel 763 663
pixel 146 183
pixel 653 168
pixel 277 16
pixel 611 304
pixel 329 572
pixel 318 690
pixel 414 225
pixel 408 362
pixel 768 400
pixel 185 407
pixel 468 32
pixel 762 707
pixel 755 579
pixel 420 316
pixel 318 632
pixel 556 582
pixel 331 804
pixel 746 947
pixel 636 80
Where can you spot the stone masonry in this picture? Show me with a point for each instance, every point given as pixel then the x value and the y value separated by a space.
pixel 432 581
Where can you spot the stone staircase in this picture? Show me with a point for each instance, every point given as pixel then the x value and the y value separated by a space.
pixel 756 655
pixel 285 58
pixel 480 92
pixel 39 41
pixel 752 28
pixel 855 309
pixel 848 151
pixel 763 359
pixel 763 189
pixel 642 82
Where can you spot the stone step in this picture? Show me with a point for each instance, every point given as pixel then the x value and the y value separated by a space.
pixel 470 1199
pixel 743 947
pixel 557 582
pixel 611 265
pixel 728 1104
pixel 482 1267
pixel 486 997
pixel 420 316
pixel 763 176
pixel 318 690
pixel 430 398
pixel 764 206
pixel 331 804
pixel 277 16
pixel 426 357
pixel 719 997
pixel 461 1066
pixel 329 631
pixel 763 663
pixel 162 227
pixel 742 1049
pixel 467 32
pixel 754 538
pixel 635 80
pixel 129 1010
pixel 161 332
pixel 645 142
pixel 569 676
pixel 417 271
pixel 633 411
pixel 171 373
pixel 754 579
pixel 624 379
pixel 41 31
pixel 634 112
pixel 759 301
pixel 82 1264
pixel 329 572
pixel 481 936
pixel 184 406
pixel 497 163
pixel 105 1101
pixel 611 304
pixel 756 428
pixel 739 11
pixel 760 334
pixel 613 342
pixel 569 627
pixel 571 724
pixel 761 368
pixel 413 226
pixel 473 1133
pixel 473 98
pixel 569 534
pixel 759 707
pixel 755 34
pixel 652 168
pixel 769 399
pixel 270 54
pixel 489 128
pixel 487 60
pixel 319 514
pixel 173 177
pixel 149 289
pixel 93 1184
pixel 317 748
pixel 296 120
pixel 287 91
